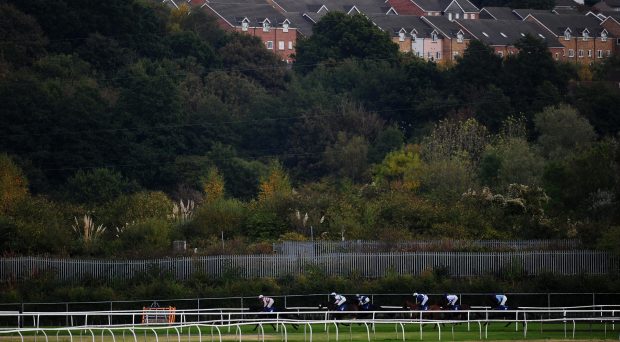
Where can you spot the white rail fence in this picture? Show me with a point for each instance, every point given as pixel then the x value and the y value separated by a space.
pixel 374 265
pixel 222 323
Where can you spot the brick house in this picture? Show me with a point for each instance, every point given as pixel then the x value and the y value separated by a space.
pixel 455 38
pixel 612 24
pixel 453 9
pixel 278 33
pixel 501 35
pixel 413 35
pixel 583 38
pixel 607 6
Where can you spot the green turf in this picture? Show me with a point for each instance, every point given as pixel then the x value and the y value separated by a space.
pixel 384 332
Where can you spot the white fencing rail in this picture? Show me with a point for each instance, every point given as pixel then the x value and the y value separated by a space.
pixel 217 328
pixel 373 265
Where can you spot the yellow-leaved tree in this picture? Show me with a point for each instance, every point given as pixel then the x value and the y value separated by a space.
pixel 213 186
pixel 276 186
pixel 13 183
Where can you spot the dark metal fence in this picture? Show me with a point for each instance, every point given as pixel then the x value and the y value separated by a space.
pixel 367 265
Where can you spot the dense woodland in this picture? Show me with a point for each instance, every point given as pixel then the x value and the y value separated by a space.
pixel 125 126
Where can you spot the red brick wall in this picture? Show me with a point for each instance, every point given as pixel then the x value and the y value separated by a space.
pixel 275 35
pixel 591 45
pixel 406 7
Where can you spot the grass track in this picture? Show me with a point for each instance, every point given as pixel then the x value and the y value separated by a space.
pixel 383 333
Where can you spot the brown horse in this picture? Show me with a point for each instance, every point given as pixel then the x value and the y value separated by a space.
pixel 410 304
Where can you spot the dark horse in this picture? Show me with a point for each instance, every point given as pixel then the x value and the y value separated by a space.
pixel 410 304
pixel 331 306
pixel 275 314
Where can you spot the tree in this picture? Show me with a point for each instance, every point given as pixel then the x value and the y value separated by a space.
pixel 97 186
pixel 213 185
pixel 339 36
pixel 562 131
pixel 519 163
pixel 454 138
pixel 13 184
pixel 22 39
pixel 479 66
pixel 348 156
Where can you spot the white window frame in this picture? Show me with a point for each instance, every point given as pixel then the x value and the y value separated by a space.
pixel 434 37
pixel 603 36
pixel 567 35
pixel 557 56
pixel 437 55
pixel 459 37
pixel 266 26
pixel 401 36
pixel 599 53
pixel 458 15
pixel 500 53
pixel 586 35
pixel 290 45
pixel 244 26
pixel 269 44
pixel 589 53
pixel 580 53
pixel 571 53
pixel 281 45
pixel 285 27
pixel 465 16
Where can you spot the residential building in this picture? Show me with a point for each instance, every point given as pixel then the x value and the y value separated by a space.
pixel 583 38
pixel 455 38
pixel 452 9
pixel 607 6
pixel 278 33
pixel 413 35
pixel 612 24
pixel 501 35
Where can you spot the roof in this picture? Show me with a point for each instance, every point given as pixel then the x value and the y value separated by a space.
pixel 565 3
pixel 254 14
pixel 575 22
pixel 393 24
pixel 447 28
pixel 500 13
pixel 506 32
pixel 523 12
pixel 368 7
pixel 565 10
pixel 441 5
pixel 612 3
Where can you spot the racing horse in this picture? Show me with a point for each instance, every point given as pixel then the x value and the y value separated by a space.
pixel 409 303
pixel 275 313
pixel 348 307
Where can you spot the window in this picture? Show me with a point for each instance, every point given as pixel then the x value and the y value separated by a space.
pixel 604 36
pixel 450 16
pixel 589 53
pixel 586 34
pixel 472 16
pixel 457 15
pixel 290 45
pixel 465 16
pixel 580 53
pixel 455 54
pixel 500 53
pixel 281 45
pixel 434 37
pixel 608 53
pixel 401 36
pixel 459 37
pixel 244 26
pixel 285 27
pixel 269 45
pixel 557 56
pixel 266 26
pixel 567 35
pixel 429 55
pixel 571 53
pixel 438 55
pixel 599 53
pixel 414 37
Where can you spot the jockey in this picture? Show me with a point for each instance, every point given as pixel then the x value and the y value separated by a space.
pixel 422 299
pixel 267 303
pixel 339 300
pixel 363 301
pixel 452 299
pixel 500 300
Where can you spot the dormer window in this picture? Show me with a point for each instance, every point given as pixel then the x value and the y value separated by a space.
pixel 285 26
pixel 585 34
pixel 567 34
pixel 266 26
pixel 604 36
pixel 434 36
pixel 401 36
pixel 459 37
pixel 244 26
pixel 414 36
